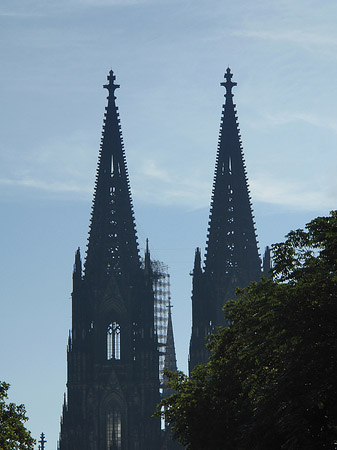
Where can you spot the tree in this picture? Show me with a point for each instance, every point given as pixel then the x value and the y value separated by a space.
pixel 271 382
pixel 13 434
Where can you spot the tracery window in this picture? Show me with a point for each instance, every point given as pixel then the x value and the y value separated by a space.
pixel 113 341
pixel 113 430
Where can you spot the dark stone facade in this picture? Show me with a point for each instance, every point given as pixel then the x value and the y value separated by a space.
pixel 113 359
pixel 113 379
pixel 231 257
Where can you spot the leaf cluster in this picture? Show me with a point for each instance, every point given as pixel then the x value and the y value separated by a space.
pixel 271 379
pixel 13 434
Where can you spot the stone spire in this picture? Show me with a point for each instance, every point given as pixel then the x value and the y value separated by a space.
pixel 112 355
pixel 266 265
pixel 112 246
pixel 231 256
pixel 170 352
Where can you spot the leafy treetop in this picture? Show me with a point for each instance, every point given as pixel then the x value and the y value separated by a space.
pixel 271 379
pixel 13 434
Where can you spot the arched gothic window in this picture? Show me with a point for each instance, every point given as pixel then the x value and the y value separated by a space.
pixel 113 341
pixel 113 430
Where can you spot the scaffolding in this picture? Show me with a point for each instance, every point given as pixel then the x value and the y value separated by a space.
pixel 162 298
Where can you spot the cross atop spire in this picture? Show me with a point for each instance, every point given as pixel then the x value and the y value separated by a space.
pixel 232 257
pixel 111 86
pixel 228 84
pixel 112 246
pixel 42 441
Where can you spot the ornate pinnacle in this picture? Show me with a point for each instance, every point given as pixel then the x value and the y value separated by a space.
pixel 42 441
pixel 228 84
pixel 147 259
pixel 111 86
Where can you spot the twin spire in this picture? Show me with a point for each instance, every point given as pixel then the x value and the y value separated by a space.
pixel 231 244
pixel 231 248
pixel 112 247
pixel 231 255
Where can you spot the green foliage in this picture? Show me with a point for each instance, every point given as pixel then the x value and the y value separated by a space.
pixel 271 382
pixel 13 434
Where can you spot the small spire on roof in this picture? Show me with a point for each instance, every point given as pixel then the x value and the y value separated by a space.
pixel 147 259
pixel 42 441
pixel 197 261
pixel 228 84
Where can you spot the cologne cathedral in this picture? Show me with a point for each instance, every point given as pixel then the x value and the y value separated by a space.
pixel 231 257
pixel 121 336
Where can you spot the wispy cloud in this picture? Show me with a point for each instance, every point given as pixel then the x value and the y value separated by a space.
pixel 300 195
pixel 307 39
pixel 168 186
pixel 56 166
pixel 286 117
pixel 52 186
pixel 193 191
pixel 151 169
pixel 154 183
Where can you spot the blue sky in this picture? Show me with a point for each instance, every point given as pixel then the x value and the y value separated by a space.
pixel 169 58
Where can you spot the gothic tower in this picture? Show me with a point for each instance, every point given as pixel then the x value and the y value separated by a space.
pixel 113 377
pixel 231 257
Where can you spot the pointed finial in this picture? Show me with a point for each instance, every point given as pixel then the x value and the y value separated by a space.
pixel 197 263
pixel 78 264
pixel 42 441
pixel 169 306
pixel 147 259
pixel 197 259
pixel 64 404
pixel 266 264
pixel 111 86
pixel 228 84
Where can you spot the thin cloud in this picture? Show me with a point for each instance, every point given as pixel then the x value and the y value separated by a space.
pixel 293 36
pixel 193 192
pixel 284 118
pixel 265 120
pixel 157 185
pixel 151 169
pixel 293 194
pixel 55 166
pixel 53 186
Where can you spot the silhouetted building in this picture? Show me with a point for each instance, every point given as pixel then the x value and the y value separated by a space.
pixel 113 358
pixel 231 257
pixel 170 363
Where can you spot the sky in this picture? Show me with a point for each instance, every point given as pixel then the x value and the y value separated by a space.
pixel 169 57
